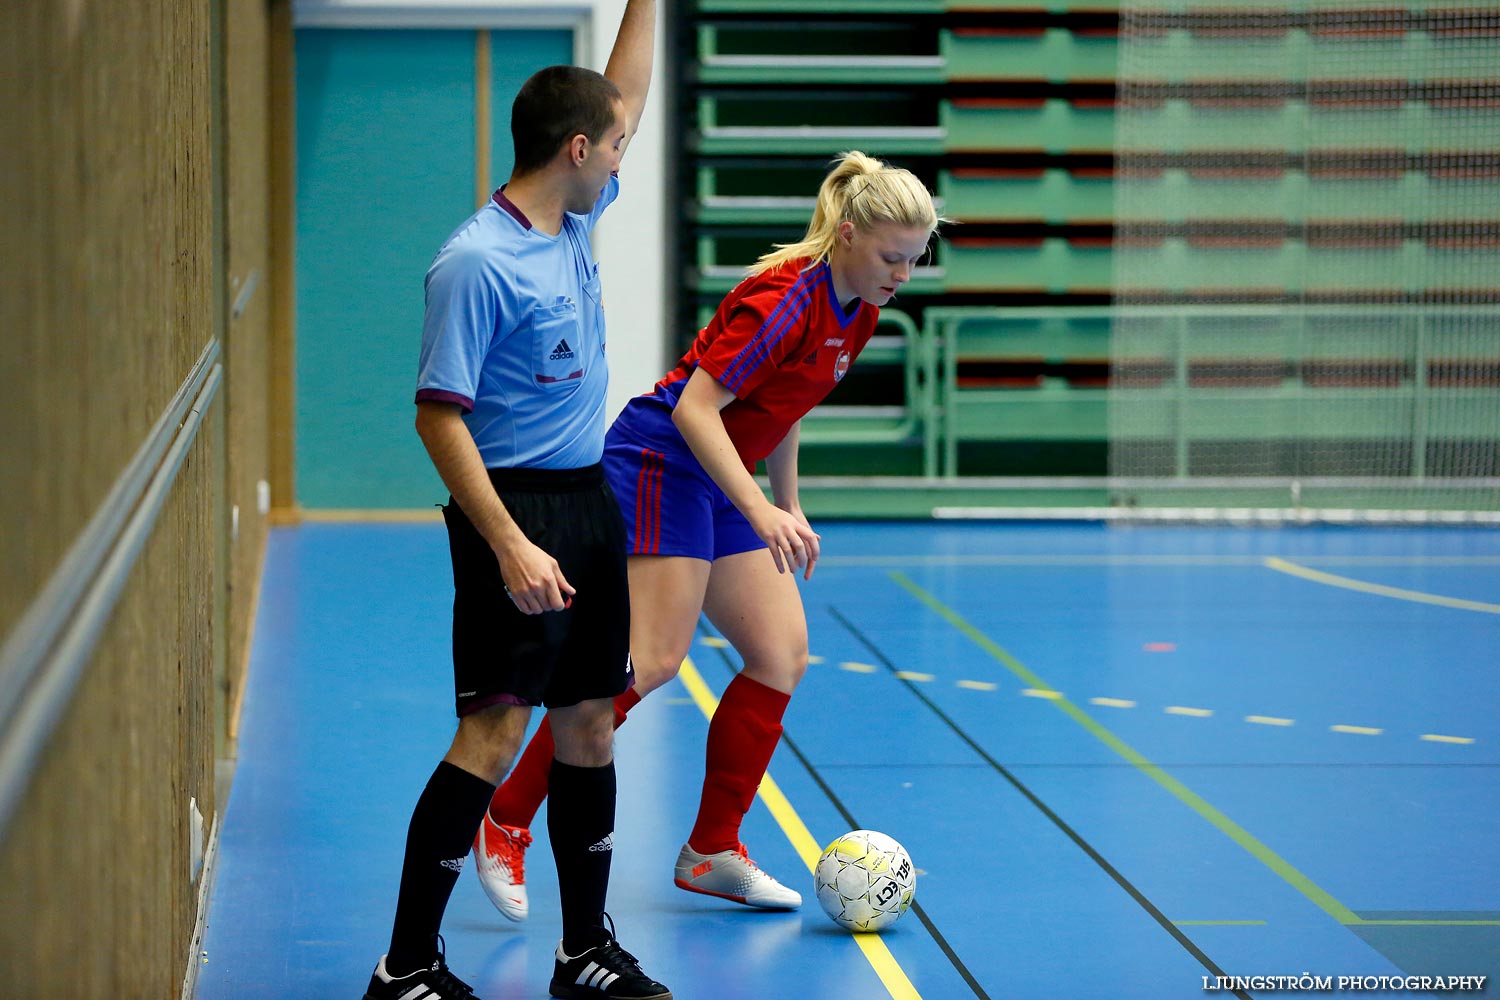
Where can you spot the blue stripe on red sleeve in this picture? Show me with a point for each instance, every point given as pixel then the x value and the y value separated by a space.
pixel 791 307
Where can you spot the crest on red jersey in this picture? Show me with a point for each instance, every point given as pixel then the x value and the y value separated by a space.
pixel 841 366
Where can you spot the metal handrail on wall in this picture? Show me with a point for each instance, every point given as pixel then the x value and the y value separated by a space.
pixel 44 657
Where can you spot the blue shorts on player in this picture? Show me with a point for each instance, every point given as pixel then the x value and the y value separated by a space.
pixel 672 507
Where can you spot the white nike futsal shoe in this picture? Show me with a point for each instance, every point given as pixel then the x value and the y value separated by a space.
pixel 732 875
pixel 500 851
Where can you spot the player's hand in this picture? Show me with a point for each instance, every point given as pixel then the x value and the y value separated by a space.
pixel 816 548
pixel 793 543
pixel 533 579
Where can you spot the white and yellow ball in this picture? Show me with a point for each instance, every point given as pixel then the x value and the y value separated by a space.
pixel 865 881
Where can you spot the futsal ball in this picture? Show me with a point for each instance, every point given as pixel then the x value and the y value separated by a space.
pixel 865 881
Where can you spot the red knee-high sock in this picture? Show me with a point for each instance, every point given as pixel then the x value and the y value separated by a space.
pixel 743 735
pixel 520 795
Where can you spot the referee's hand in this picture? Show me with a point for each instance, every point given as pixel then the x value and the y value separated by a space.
pixel 533 579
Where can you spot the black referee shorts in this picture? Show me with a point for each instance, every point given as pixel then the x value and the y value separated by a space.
pixel 557 658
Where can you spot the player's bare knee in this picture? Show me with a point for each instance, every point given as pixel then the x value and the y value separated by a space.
pixel 782 670
pixel 792 668
pixel 790 661
pixel 654 668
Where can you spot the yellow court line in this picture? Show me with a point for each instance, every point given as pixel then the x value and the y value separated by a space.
pixel 876 953
pixel 1356 730
pixel 1435 738
pixel 1112 702
pixel 1349 583
pixel 1269 720
pixel 1045 693
pixel 1197 713
pixel 1319 896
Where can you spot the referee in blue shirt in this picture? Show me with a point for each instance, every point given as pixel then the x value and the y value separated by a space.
pixel 510 406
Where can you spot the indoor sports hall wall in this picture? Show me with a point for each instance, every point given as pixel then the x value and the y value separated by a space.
pixel 402 129
pixel 386 162
pixel 135 295
pixel 252 291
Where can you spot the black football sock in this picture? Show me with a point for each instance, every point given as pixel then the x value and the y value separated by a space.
pixel 442 829
pixel 581 826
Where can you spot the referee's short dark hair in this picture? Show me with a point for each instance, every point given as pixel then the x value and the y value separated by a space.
pixel 553 106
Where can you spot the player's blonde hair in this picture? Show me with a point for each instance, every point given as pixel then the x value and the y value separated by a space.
pixel 862 190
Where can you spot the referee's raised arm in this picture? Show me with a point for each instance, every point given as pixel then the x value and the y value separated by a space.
pixel 630 60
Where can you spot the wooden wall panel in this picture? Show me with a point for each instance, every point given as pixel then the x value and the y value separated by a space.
pixel 99 900
pixel 106 300
pixel 103 257
pixel 283 230
pixel 247 336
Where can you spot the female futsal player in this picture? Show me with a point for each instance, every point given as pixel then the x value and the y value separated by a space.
pixel 680 460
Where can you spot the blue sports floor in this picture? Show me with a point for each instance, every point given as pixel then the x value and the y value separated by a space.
pixel 1122 759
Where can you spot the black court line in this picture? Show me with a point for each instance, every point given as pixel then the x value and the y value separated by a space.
pixel 854 824
pixel 1041 806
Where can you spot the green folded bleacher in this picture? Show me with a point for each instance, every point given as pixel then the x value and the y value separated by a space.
pixel 1243 182
pixel 1190 378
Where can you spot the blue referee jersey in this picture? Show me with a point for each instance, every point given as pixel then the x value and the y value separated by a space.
pixel 514 334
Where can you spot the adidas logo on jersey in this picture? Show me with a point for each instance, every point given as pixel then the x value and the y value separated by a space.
pixel 607 844
pixel 455 864
pixel 561 352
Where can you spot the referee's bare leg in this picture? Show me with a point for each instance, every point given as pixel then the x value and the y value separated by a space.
pixel 487 741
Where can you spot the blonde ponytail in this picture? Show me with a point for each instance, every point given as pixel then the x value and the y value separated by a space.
pixel 862 190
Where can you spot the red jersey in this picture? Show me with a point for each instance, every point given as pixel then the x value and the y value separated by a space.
pixel 780 342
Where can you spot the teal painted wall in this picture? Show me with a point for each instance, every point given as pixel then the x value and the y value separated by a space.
pixel 514 56
pixel 385 171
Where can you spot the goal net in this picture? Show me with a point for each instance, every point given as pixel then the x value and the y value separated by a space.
pixel 1307 261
